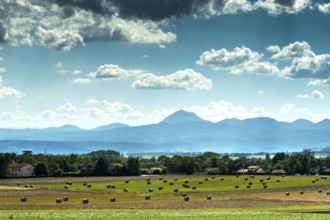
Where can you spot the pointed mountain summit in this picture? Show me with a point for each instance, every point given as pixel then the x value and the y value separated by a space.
pixel 181 117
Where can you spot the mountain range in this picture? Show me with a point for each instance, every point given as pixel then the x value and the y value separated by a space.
pixel 180 132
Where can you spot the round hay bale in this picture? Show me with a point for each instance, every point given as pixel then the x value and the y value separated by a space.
pixel 85 184
pixel 252 176
pixel 250 183
pixel 200 182
pixel 18 184
pixel 206 179
pixel 126 181
pixel 66 199
pixel 23 199
pixel 148 179
pixel 27 186
pixel 112 199
pixel 160 188
pixel 58 200
pixel 313 181
pixel 176 190
pixel 160 178
pixel 213 177
pixel 89 185
pixel 317 179
pixel 171 183
pixel 264 183
pixel 208 197
pixel 278 181
pixel 268 178
pixel 193 187
pixel 186 199
pixel 31 186
pixel 237 176
pixel 151 190
pixel 85 201
pixel 66 187
pixel 165 181
pixel 222 179
pixel 113 186
pixel 283 175
pixel 109 186
pixel 328 193
pixel 186 181
pixel 246 179
pixel 248 186
pixel 11 216
pixel 175 179
pixel 301 192
pixel 265 186
pixel 147 197
pixel 148 182
pixel 320 190
pixel 287 193
pixel 261 180
pixel 236 186
pixel 184 194
pixel 125 190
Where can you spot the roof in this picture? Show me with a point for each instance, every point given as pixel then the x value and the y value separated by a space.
pixel 17 165
pixel 243 171
pixel 254 167
pixel 278 171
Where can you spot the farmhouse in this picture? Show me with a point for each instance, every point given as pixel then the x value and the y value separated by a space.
pixel 20 170
pixel 251 169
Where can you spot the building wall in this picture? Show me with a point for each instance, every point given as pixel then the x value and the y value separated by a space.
pixel 25 171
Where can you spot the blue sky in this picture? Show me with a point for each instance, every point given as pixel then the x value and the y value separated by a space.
pixel 91 63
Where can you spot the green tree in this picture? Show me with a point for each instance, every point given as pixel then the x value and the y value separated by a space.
pixel 133 166
pixel 101 167
pixel 41 169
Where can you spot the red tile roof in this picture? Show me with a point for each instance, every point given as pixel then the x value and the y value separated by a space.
pixel 17 165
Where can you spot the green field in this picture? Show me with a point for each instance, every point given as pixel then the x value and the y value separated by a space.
pixel 218 197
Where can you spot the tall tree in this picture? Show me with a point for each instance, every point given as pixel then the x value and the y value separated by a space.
pixel 41 169
pixel 101 167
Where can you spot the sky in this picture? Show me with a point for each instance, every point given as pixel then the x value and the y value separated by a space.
pixel 92 63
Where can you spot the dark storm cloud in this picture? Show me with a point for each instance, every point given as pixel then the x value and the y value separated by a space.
pixel 142 9
pixel 287 3
pixel 2 33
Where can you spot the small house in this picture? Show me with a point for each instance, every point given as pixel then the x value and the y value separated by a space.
pixel 20 170
pixel 251 169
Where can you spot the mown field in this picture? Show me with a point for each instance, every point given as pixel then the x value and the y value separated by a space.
pixel 167 197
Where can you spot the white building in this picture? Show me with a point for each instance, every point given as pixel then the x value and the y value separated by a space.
pixel 20 170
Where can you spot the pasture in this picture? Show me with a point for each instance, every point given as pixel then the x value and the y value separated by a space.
pixel 167 197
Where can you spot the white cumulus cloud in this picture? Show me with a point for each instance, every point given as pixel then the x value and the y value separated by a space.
pixel 187 79
pixel 316 94
pixel 109 71
pixel 325 8
pixel 240 60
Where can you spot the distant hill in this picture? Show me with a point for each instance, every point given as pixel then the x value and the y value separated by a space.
pixel 181 131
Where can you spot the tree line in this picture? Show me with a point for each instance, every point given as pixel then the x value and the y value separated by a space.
pixel 109 162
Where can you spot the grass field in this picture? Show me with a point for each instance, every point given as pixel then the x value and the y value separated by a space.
pixel 167 197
